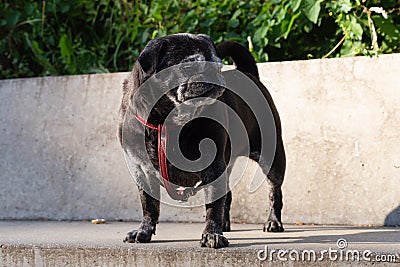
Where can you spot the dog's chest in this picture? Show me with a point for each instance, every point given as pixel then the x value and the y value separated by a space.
pixel 180 175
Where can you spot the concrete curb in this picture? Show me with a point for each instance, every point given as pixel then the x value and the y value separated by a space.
pixel 84 244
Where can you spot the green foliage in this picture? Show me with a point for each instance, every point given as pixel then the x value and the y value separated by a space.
pixel 54 37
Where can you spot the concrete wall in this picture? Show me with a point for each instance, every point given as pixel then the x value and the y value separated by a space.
pixel 59 158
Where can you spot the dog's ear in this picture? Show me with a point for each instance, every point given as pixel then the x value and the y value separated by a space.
pixel 144 67
pixel 205 37
pixel 208 40
pixel 151 56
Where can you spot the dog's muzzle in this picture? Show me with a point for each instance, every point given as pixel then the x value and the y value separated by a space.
pixel 209 84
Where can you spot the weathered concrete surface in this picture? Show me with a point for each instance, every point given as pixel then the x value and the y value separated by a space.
pixel 84 244
pixel 60 158
pixel 341 121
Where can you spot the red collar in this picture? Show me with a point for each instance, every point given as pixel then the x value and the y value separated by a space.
pixel 144 122
pixel 175 193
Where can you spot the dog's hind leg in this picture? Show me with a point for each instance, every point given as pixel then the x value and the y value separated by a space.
pixel 151 213
pixel 275 177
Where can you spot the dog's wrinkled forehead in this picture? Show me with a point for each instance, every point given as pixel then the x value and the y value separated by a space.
pixel 184 48
pixel 171 50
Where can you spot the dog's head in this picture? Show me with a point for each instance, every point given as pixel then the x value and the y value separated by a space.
pixel 194 61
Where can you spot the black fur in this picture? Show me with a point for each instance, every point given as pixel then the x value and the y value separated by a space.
pixel 241 57
pixel 168 51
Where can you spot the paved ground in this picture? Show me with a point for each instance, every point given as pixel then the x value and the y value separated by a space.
pixel 175 244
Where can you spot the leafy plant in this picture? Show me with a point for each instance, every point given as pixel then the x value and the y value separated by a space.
pixel 54 37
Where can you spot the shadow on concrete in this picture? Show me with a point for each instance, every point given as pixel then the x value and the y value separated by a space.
pixel 393 218
pixel 246 230
pixel 366 238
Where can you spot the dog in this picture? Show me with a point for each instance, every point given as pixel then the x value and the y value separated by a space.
pixel 163 53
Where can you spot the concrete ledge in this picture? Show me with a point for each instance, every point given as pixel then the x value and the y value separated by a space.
pixel 84 244
pixel 60 158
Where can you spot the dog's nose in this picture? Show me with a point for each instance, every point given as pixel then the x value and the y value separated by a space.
pixel 197 78
pixel 193 89
pixel 201 83
pixel 210 74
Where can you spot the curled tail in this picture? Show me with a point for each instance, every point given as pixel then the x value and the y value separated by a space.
pixel 240 55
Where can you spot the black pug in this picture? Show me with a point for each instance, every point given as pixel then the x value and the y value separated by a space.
pixel 160 54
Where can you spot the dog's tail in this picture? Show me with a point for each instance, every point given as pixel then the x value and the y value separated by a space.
pixel 240 55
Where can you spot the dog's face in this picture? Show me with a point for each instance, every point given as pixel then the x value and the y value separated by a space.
pixel 196 61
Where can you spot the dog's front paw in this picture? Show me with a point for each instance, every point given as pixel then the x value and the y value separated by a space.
pixel 138 236
pixel 213 240
pixel 273 226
